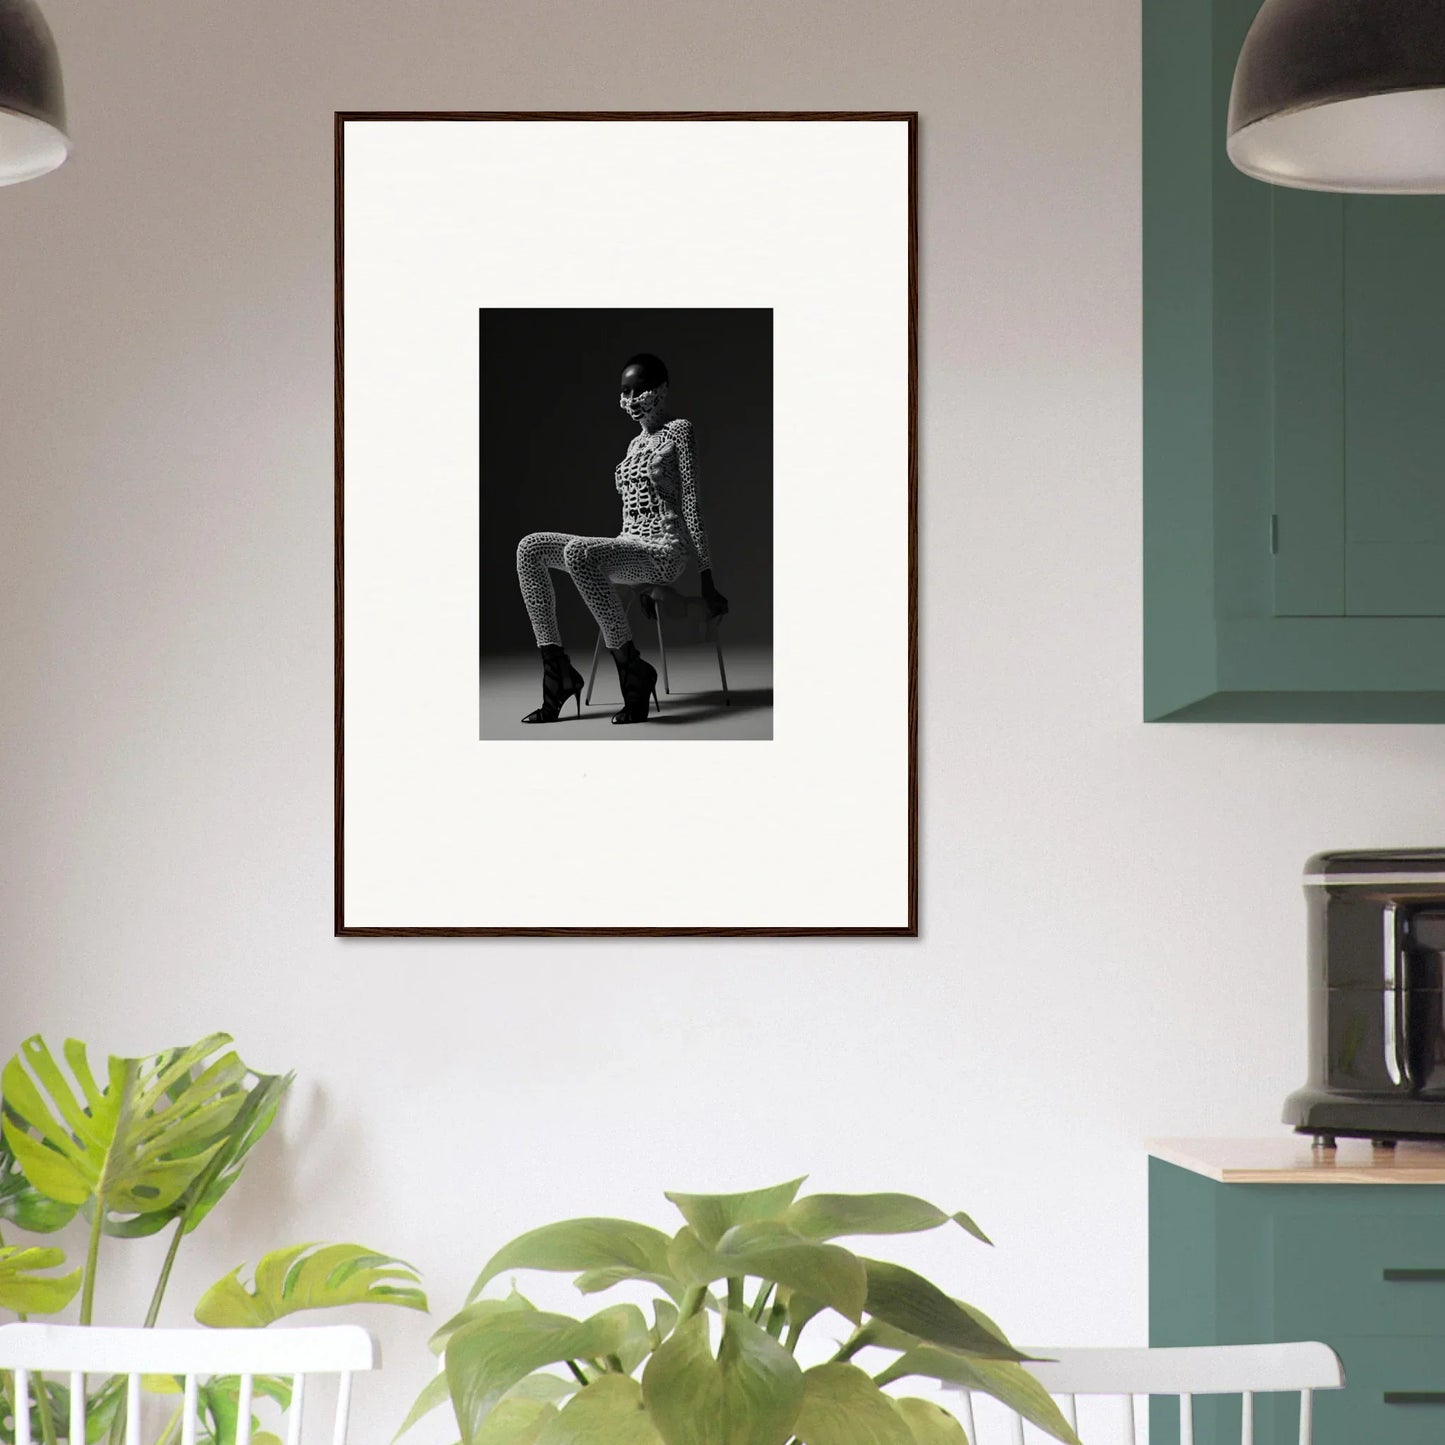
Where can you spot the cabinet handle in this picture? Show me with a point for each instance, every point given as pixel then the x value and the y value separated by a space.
pixel 1414 1397
pixel 1414 1276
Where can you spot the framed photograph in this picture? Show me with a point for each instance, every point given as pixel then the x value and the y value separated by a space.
pixel 626 500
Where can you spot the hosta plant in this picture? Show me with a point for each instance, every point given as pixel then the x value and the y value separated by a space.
pixel 143 1146
pixel 714 1357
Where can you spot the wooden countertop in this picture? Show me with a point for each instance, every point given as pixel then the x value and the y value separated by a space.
pixel 1290 1159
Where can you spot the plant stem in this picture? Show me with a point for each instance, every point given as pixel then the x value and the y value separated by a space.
pixel 47 1419
pixel 756 1313
pixel 777 1318
pixel 735 1292
pixel 847 1349
pixel 577 1371
pixel 692 1302
pixel 92 1258
pixel 153 1313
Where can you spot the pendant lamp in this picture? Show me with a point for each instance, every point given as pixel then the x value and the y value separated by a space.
pixel 32 99
pixel 1342 95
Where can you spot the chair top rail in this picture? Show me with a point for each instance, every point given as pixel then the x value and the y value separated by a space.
pixel 1187 1370
pixel 315 1349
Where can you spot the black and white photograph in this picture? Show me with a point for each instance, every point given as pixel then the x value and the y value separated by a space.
pixel 623 466
pixel 625 505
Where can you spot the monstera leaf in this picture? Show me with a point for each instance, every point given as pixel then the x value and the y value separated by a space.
pixel 254 1117
pixel 23 1205
pixel 27 1292
pixel 309 1277
pixel 133 1146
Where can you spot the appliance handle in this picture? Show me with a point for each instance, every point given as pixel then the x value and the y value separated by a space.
pixel 1390 994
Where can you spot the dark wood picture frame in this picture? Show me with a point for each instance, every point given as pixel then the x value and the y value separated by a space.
pixel 910 929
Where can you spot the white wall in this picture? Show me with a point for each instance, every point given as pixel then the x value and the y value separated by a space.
pixel 1112 919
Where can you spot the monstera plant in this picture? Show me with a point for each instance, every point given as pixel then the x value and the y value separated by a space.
pixel 714 1360
pixel 151 1144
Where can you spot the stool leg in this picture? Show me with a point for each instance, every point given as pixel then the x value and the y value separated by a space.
pixel 592 676
pixel 662 648
pixel 722 672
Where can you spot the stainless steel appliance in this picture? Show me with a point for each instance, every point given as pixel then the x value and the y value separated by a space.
pixel 1376 997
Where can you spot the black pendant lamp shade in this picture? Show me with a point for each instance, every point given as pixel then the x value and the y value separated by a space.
pixel 1342 95
pixel 32 99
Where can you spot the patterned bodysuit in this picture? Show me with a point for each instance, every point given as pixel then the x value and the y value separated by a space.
pixel 661 523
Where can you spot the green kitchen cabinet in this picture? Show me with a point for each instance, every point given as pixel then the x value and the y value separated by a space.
pixel 1360 1266
pixel 1294 420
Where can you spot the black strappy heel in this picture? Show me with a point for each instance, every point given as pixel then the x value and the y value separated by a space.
pixel 638 679
pixel 560 680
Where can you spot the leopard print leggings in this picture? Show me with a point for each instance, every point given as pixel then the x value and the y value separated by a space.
pixel 594 564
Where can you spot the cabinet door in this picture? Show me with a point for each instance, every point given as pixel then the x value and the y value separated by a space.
pixel 1294 420
pixel 1359 405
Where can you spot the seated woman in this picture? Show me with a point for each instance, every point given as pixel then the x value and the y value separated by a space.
pixel 661 524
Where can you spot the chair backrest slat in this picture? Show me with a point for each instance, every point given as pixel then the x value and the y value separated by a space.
pixel 1186 1420
pixel 298 1406
pixel 1306 1416
pixel 132 1410
pixel 343 1408
pixel 188 1419
pixel 77 1406
pixel 1246 1417
pixel 243 1410
pixel 22 1407
pixel 1129 1420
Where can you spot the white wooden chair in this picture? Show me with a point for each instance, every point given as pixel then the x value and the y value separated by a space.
pixel 1243 1370
pixel 74 1352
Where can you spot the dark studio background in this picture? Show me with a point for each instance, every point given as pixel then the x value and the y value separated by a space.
pixel 552 433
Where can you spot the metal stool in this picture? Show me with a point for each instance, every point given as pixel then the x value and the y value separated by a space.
pixel 635 593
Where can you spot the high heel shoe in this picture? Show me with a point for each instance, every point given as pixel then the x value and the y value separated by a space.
pixel 560 680
pixel 638 679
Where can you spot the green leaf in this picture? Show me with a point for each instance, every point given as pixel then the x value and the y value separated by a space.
pixel 252 1120
pixel 712 1215
pixel 479 1309
pixel 516 1420
pixel 772 1251
pixel 749 1395
pixel 29 1293
pixel 23 1205
pixel 309 1277
pixel 594 1281
pixel 542 1386
pixel 888 1337
pixel 433 1395
pixel 580 1244
pixel 131 1147
pixel 608 1412
pixel 1002 1379
pixel 909 1302
pixel 828 1216
pixel 930 1424
pixel 488 1356
pixel 842 1406
pixel 664 1319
